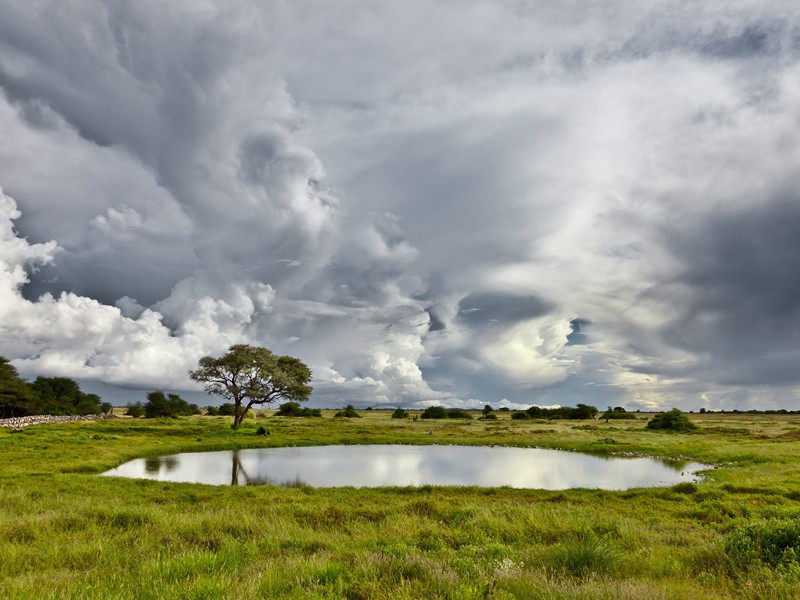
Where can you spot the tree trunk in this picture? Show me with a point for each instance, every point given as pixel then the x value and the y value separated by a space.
pixel 238 415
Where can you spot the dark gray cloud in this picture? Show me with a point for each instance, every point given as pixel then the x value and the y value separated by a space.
pixel 564 202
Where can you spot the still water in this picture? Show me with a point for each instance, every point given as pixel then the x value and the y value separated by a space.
pixel 400 465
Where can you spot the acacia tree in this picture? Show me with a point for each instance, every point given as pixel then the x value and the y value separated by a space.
pixel 248 375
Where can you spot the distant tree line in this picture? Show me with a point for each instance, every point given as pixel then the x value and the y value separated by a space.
pixel 45 396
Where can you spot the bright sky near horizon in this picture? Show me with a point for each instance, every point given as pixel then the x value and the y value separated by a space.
pixel 428 202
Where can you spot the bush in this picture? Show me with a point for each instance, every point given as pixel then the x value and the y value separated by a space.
pixel 172 405
pixel 774 543
pixel 582 411
pixel 135 410
pixel 292 409
pixel 489 416
pixel 434 412
pixel 439 412
pixel 521 416
pixel 348 412
pixel 227 409
pixel 399 413
pixel 673 420
pixel 106 408
pixel 457 413
pixel 617 413
pixel 212 411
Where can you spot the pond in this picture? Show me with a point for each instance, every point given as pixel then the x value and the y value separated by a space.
pixel 403 465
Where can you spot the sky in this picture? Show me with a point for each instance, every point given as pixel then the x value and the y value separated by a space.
pixel 428 202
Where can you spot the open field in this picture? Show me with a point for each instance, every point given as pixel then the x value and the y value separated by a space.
pixel 66 533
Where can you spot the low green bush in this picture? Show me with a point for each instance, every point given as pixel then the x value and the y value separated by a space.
pixel 348 412
pixel 399 413
pixel 775 543
pixel 440 412
pixel 293 409
pixel 521 416
pixel 135 410
pixel 673 420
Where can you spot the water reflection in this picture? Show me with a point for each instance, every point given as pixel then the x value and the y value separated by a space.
pixel 397 465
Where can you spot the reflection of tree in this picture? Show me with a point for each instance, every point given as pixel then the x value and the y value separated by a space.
pixel 237 468
pixel 676 464
pixel 153 465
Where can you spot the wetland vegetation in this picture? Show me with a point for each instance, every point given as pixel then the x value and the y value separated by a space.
pixel 67 533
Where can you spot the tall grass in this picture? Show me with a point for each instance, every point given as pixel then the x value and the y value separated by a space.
pixel 66 533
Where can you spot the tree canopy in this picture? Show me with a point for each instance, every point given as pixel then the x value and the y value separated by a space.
pixel 45 396
pixel 250 375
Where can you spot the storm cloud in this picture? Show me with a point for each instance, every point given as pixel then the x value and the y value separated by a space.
pixel 427 202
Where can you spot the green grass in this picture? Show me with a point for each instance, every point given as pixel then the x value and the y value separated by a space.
pixel 66 533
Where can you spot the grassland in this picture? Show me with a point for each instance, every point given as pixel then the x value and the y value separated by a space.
pixel 66 533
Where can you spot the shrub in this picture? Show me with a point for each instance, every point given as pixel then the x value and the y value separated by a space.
pixel 292 409
pixel 489 416
pixel 399 413
pixel 212 411
pixel 262 431
pixel 521 416
pixel 227 409
pixel 135 410
pixel 171 405
pixel 439 412
pixel 348 412
pixel 582 411
pixel 617 413
pixel 434 412
pixel 673 420
pixel 775 543
pixel 457 413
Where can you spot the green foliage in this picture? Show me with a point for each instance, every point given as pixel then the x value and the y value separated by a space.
pixel 673 420
pixel 583 556
pixel 63 396
pixel 400 413
pixel 226 409
pixel 17 396
pixel 293 409
pixel 212 411
pixel 135 410
pixel 45 396
pixel 521 416
pixel 440 412
pixel 250 375
pixel 582 411
pixel 348 412
pixel 617 413
pixel 171 405
pixel 774 543
pixel 434 412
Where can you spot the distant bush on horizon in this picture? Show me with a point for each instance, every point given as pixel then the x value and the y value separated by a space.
pixel 440 412
pixel 348 412
pixel 293 409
